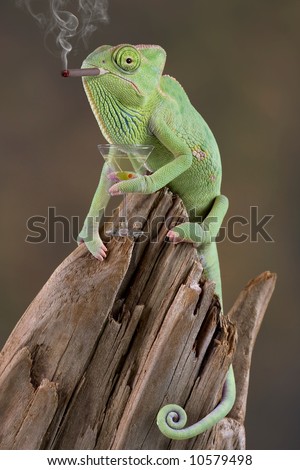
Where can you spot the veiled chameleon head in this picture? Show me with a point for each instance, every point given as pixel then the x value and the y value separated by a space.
pixel 129 73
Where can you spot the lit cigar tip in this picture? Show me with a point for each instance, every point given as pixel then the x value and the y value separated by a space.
pixel 65 73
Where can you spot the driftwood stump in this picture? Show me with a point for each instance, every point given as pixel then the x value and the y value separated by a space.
pixel 104 346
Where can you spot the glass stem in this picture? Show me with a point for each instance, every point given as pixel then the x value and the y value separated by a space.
pixel 123 217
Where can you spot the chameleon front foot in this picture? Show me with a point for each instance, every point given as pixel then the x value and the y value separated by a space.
pixel 100 253
pixel 96 247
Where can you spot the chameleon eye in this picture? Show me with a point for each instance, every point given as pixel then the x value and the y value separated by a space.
pixel 127 58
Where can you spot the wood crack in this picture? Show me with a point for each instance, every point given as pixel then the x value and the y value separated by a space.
pixel 121 338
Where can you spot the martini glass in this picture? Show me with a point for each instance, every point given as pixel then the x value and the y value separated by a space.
pixel 125 162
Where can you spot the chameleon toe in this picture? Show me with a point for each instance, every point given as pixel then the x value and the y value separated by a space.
pixel 174 237
pixel 114 191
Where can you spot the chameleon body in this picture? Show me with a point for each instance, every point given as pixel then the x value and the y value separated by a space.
pixel 134 103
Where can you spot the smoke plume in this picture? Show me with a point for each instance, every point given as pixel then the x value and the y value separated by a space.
pixel 64 24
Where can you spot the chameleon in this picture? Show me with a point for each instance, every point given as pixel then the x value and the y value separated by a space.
pixel 135 103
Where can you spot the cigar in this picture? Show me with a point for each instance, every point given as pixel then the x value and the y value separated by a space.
pixel 80 72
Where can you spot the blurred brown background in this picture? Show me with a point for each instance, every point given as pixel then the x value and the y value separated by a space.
pixel 239 63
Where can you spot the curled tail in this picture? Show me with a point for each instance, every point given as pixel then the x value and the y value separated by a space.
pixel 171 419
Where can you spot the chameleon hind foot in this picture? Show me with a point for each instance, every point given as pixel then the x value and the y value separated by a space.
pixel 189 232
pixel 175 238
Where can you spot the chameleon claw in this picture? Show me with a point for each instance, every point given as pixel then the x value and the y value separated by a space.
pixel 97 249
pixel 114 191
pixel 101 255
pixel 174 237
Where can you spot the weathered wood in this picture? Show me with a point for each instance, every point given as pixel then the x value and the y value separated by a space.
pixel 104 345
pixel 247 313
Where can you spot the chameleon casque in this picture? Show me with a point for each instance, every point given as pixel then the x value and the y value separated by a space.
pixel 134 103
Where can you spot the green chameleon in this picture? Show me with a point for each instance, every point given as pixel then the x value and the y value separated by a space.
pixel 135 104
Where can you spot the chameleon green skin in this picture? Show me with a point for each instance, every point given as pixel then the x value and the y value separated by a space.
pixel 135 104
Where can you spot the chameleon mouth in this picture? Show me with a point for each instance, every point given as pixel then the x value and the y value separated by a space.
pixel 128 81
pixel 104 71
pixel 92 70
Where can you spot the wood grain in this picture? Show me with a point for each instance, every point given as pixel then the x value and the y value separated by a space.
pixel 105 344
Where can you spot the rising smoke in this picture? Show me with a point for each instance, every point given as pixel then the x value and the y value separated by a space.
pixel 57 20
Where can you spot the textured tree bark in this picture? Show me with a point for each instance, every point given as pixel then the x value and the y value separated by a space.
pixel 104 346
